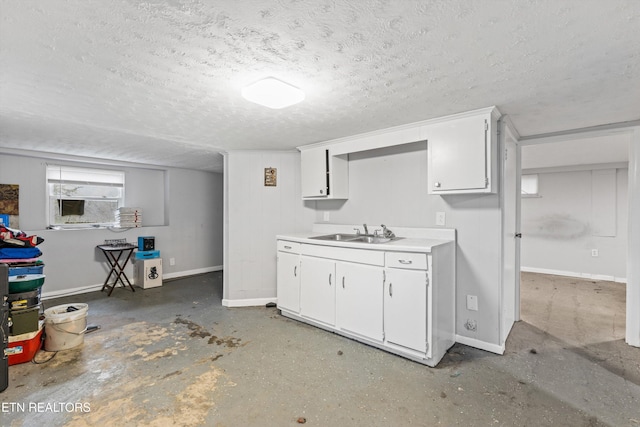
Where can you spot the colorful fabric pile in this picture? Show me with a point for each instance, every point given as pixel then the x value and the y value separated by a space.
pixel 17 247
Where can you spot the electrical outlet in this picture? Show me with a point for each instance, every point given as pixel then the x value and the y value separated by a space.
pixel 441 218
pixel 594 252
pixel 472 302
pixel 471 325
pixel 172 261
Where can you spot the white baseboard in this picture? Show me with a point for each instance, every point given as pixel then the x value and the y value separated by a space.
pixel 472 342
pixel 574 274
pixel 249 302
pixel 72 291
pixel 178 274
pixel 92 288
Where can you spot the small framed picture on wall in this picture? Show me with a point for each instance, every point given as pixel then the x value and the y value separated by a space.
pixel 270 177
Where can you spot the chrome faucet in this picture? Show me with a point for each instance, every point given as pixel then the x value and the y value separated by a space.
pixel 366 230
pixel 386 232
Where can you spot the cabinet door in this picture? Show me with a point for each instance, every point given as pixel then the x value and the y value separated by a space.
pixel 288 285
pixel 313 169
pixel 359 299
pixel 317 289
pixel 405 308
pixel 458 152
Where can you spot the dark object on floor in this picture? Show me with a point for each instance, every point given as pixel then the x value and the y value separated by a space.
pixel 92 328
pixel 271 304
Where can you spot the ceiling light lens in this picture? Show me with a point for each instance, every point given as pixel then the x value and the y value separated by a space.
pixel 272 93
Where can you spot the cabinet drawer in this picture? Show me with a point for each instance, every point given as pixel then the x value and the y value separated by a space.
pixel 361 256
pixel 286 246
pixel 409 260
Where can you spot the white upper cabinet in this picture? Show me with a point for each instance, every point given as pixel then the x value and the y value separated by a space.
pixel 462 150
pixel 324 176
pixel 461 155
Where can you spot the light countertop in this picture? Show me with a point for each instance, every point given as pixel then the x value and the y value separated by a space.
pixel 405 244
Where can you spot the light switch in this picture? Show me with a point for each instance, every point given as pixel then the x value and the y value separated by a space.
pixel 326 216
pixel 472 302
pixel 441 218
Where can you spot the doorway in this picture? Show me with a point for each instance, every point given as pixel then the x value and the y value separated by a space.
pixel 576 260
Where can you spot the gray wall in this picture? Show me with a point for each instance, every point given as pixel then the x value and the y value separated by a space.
pixel 185 213
pixel 560 230
pixel 254 215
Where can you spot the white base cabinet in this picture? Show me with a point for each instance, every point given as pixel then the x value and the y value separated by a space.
pixel 288 281
pixel 402 302
pixel 359 299
pixel 318 289
pixel 405 309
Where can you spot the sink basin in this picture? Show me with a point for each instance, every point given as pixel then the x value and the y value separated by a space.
pixel 338 237
pixel 354 238
pixel 372 239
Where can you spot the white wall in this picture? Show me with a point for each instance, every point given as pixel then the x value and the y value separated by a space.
pixel 559 229
pixel 192 212
pixel 254 215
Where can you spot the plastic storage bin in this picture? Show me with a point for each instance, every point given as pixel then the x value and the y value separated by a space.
pixel 25 282
pixel 21 271
pixel 22 348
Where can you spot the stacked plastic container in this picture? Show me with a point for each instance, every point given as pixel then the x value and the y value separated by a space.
pixel 26 278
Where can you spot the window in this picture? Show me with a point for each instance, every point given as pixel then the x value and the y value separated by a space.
pixel 83 196
pixel 529 186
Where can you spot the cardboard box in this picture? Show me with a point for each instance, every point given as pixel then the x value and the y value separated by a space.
pixel 148 273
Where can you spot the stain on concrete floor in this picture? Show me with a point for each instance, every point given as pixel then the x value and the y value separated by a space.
pixel 122 375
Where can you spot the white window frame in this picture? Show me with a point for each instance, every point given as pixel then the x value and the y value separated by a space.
pixel 82 176
pixel 530 185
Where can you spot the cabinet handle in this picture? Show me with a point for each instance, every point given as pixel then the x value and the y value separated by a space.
pixel 287 247
pixel 390 289
pixel 342 282
pixel 330 279
pixel 436 184
pixel 405 261
pixel 321 191
pixel 295 271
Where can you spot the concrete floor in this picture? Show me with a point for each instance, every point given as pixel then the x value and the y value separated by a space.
pixel 173 356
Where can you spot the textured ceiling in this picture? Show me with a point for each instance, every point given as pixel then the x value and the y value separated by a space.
pixel 159 81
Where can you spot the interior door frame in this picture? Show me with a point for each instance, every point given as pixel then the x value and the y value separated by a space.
pixel 632 130
pixel 510 207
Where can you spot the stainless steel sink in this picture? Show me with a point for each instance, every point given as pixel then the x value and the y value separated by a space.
pixel 372 239
pixel 354 238
pixel 338 237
